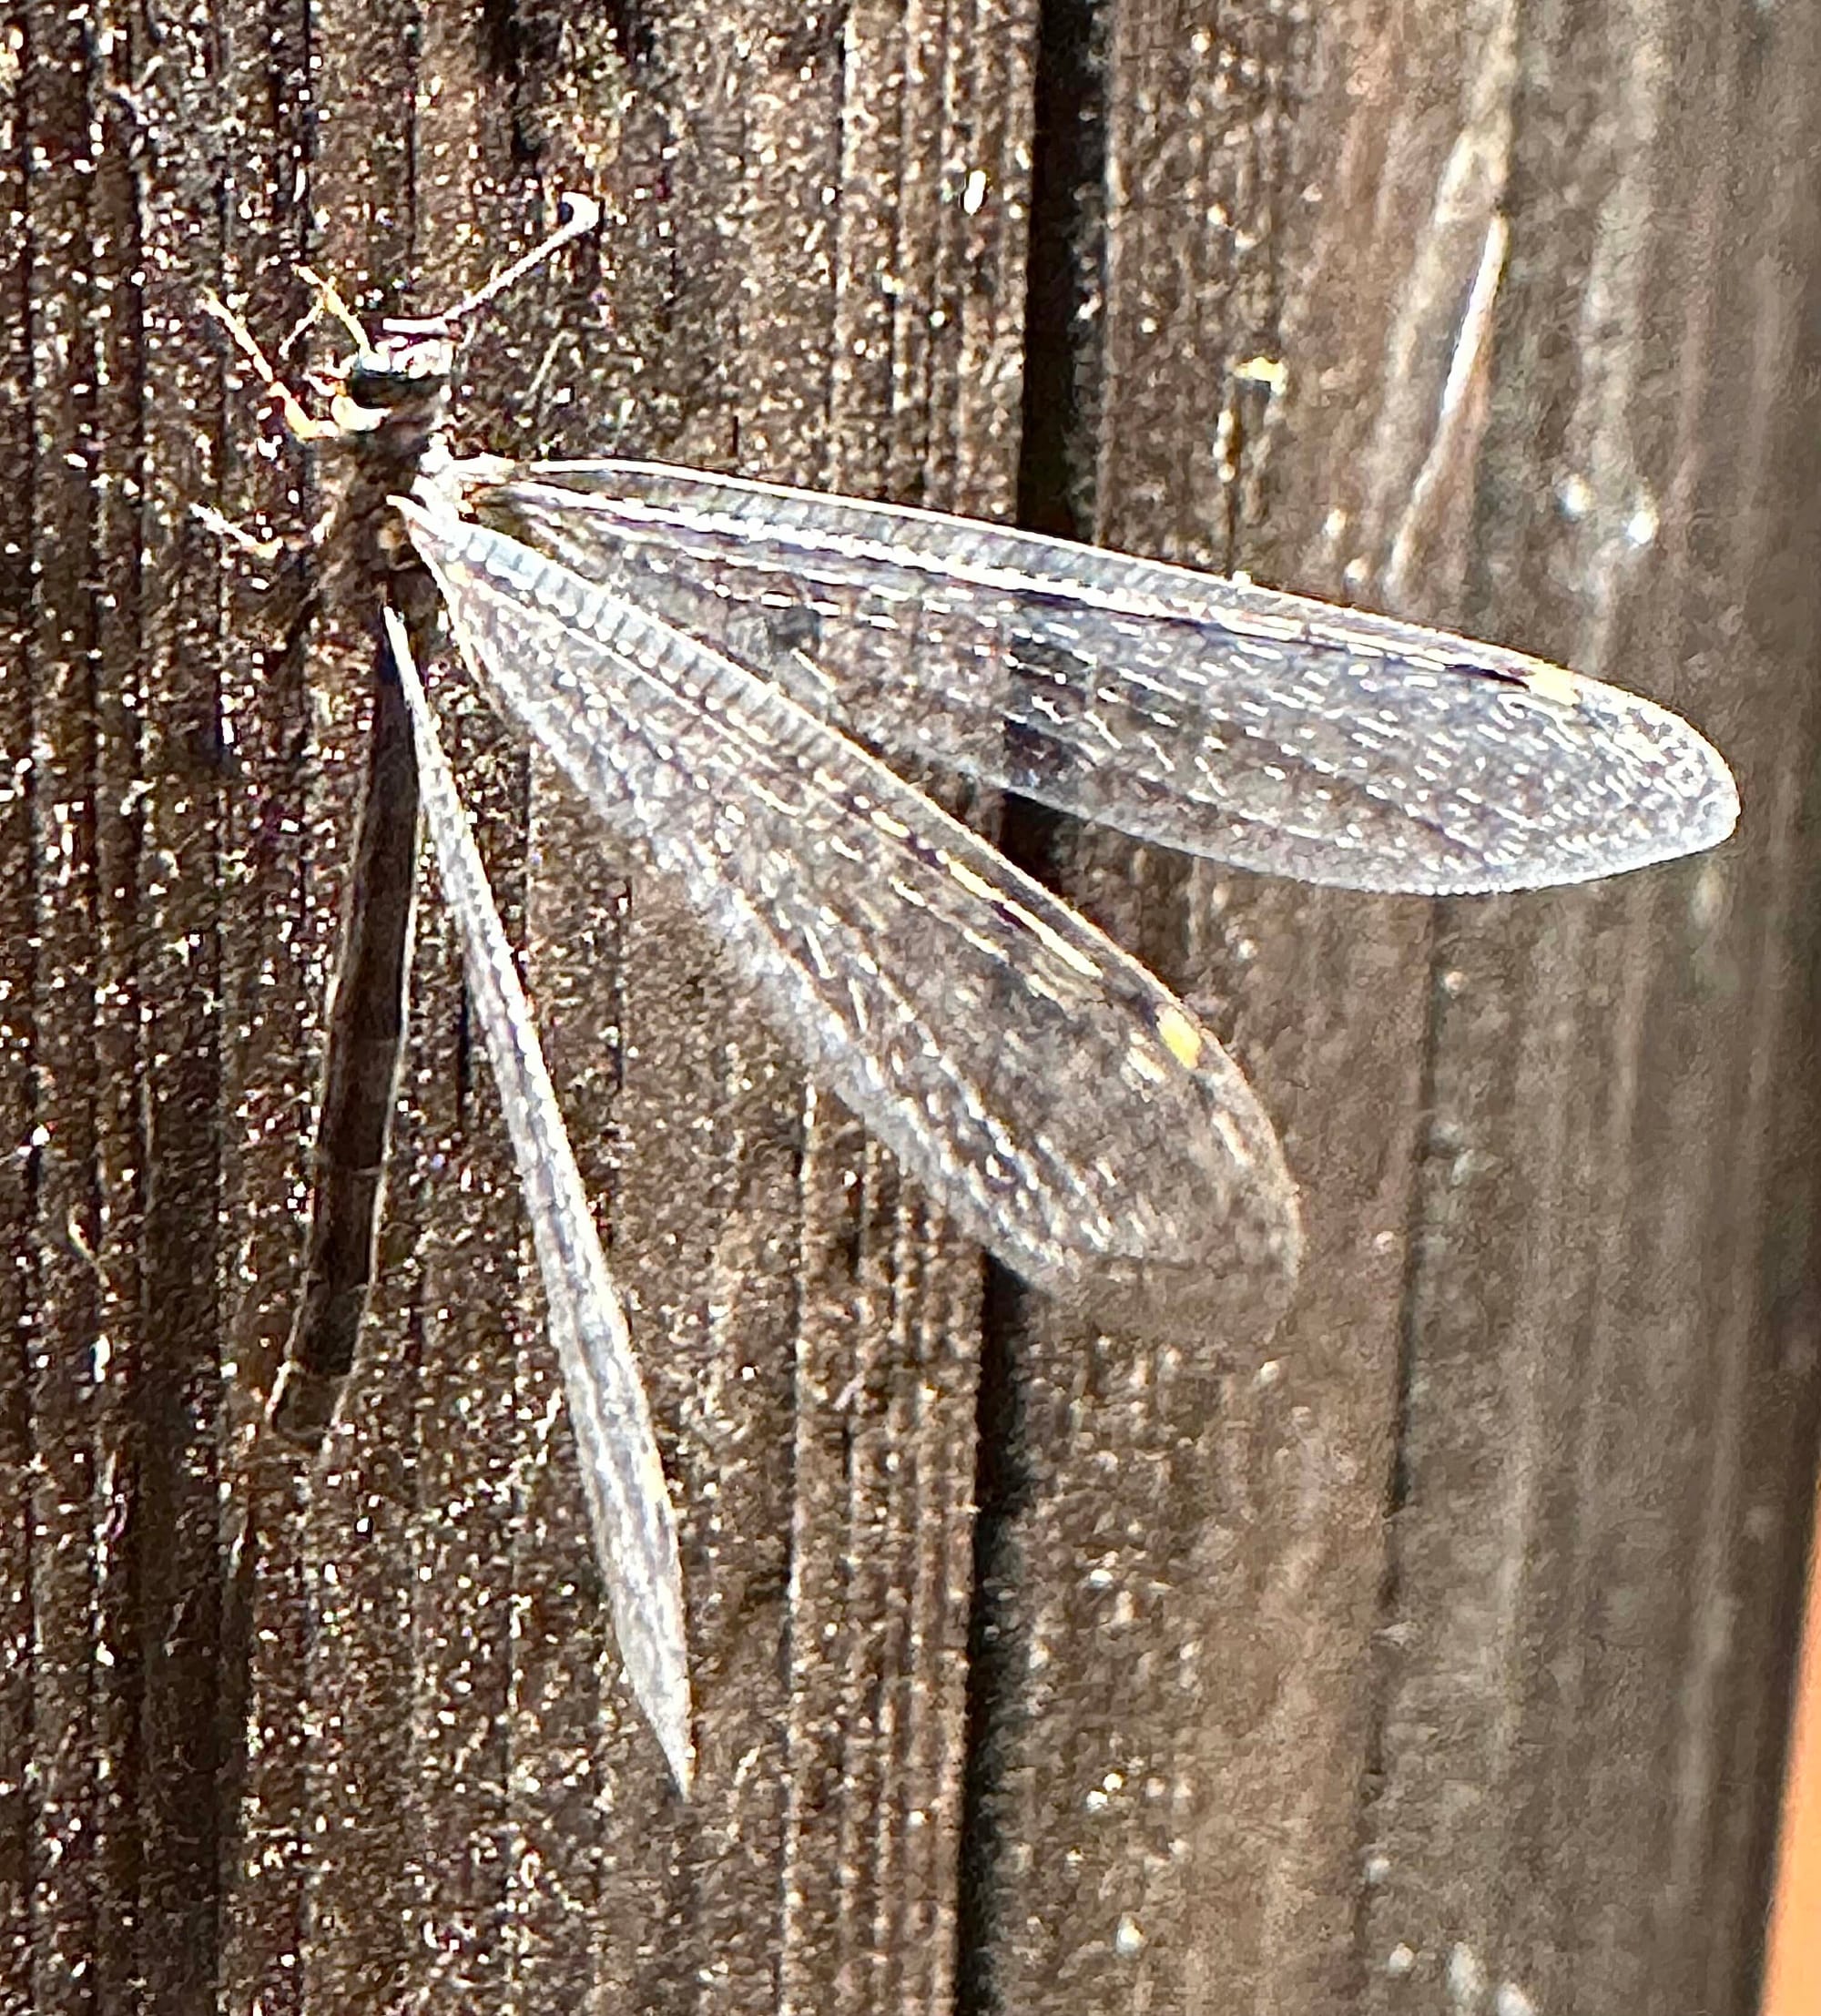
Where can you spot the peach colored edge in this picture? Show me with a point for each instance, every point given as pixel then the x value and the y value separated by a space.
pixel 1793 1956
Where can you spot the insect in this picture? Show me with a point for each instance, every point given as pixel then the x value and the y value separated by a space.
pixel 723 669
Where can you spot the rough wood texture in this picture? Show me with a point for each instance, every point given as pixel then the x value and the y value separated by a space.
pixel 1435 1660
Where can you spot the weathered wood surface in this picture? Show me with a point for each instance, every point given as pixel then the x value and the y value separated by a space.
pixel 1434 1661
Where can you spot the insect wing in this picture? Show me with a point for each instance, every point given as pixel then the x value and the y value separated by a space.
pixel 1264 729
pixel 622 1476
pixel 1067 1109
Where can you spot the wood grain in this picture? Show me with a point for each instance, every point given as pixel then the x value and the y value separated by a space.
pixel 1433 1657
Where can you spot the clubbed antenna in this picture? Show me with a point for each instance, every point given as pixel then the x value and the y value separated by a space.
pixel 583 214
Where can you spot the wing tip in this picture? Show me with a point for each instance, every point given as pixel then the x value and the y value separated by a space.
pixel 1721 807
pixel 1236 1287
pixel 656 1660
pixel 672 1731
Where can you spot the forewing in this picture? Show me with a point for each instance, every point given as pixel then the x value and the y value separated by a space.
pixel 622 1476
pixel 1064 1105
pixel 1264 729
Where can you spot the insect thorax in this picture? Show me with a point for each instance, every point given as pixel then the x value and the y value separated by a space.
pixel 389 407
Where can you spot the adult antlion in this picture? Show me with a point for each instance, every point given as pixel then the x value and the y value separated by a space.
pixel 711 662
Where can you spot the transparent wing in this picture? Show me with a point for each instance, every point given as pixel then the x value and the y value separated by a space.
pixel 622 1476
pixel 1068 1110
pixel 1264 729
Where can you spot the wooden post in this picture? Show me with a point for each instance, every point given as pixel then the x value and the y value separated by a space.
pixel 1433 1657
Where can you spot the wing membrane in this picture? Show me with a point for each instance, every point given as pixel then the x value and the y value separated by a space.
pixel 1260 729
pixel 629 1511
pixel 1067 1109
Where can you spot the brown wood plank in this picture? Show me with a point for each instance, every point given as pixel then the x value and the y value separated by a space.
pixel 1194 1556
pixel 18 939
pixel 1429 1656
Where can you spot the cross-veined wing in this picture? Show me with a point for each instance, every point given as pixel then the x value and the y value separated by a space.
pixel 1068 1110
pixel 1253 727
pixel 622 1476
